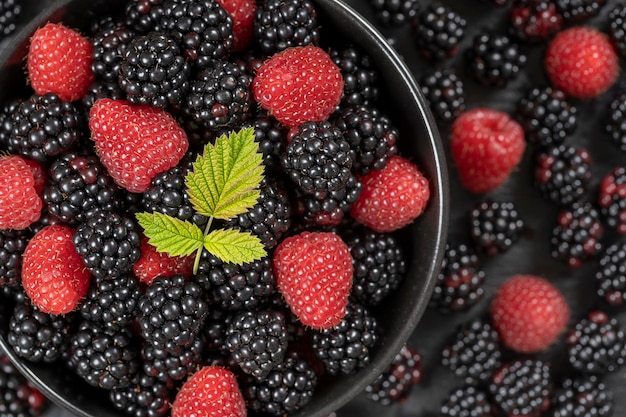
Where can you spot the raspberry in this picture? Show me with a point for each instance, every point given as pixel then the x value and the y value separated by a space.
pixel 486 145
pixel 529 313
pixel 53 274
pixel 298 85
pixel 153 263
pixel 135 143
pixel 20 204
pixel 392 197
pixel 314 274
pixel 242 12
pixel 59 62
pixel 582 62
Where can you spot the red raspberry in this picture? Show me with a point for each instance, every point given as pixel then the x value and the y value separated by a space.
pixel 314 274
pixel 212 391
pixel 392 197
pixel 153 263
pixel 582 62
pixel 486 146
pixel 39 175
pixel 242 12
pixel 135 143
pixel 53 273
pixel 529 313
pixel 20 200
pixel 297 85
pixel 59 62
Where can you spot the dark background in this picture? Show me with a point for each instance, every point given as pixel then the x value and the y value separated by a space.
pixel 531 255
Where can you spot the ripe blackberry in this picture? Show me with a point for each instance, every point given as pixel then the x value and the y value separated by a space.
pixel 270 218
pixel 103 358
pixel 281 24
pixel 101 89
pixel 617 28
pixel 473 352
pixel 547 116
pixel 18 397
pixel 171 362
pixel 616 123
pixel 214 330
pixel 467 400
pixel 287 388
pixel 584 396
pixel 144 397
pixel 611 275
pixel 494 59
pixel 220 96
pixel 438 31
pixel 257 341
pixel 110 46
pixel 10 11
pixel 394 384
pixel 535 20
pixel 12 246
pixel 202 29
pixel 109 244
pixel 576 238
pixel 379 265
pixel 318 158
pixel 112 302
pixel 371 135
pixel 271 137
pixel 562 173
pixel 577 10
pixel 394 13
pixel 328 209
pixel 495 226
pixel 153 71
pixel 143 15
pixel 6 122
pixel 235 287
pixel 596 344
pixel 79 187
pixel 460 280
pixel 345 348
pixel 37 336
pixel 522 387
pixel 445 94
pixel 360 76
pixel 44 126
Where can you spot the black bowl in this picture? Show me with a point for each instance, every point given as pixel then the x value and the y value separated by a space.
pixel 424 240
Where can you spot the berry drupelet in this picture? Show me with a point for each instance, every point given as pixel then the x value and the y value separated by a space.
pixel 112 302
pixel 495 226
pixel 616 122
pixel 467 400
pixel 562 173
pixel 110 46
pixel 611 275
pixel 577 10
pixel 583 396
pixel 612 199
pixel 360 76
pixel 438 31
pixel 143 15
pixel 617 28
pixel 144 397
pixel 494 59
pixel 596 344
pixel 576 238
pixel 394 384
pixel 395 13
pixel 18 397
pixel 445 94
pixel 535 20
pixel 10 11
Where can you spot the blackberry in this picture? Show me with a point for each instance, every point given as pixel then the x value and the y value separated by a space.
pixel 522 387
pixel 617 28
pixel 610 275
pixel 459 281
pixel 547 116
pixel 596 344
pixel 143 15
pixel 153 71
pixel 44 127
pixel 101 89
pixel 495 226
pixel 10 11
pixel 577 10
pixel 467 400
pixel 345 348
pixel 220 96
pixel 257 341
pixel 235 287
pixel 214 330
pixel 576 238
pixel 271 217
pixel 445 94
pixel 12 246
pixel 202 29
pixel 371 135
pixel 6 122
pixel 287 388
pixel 318 158
pixel 328 209
pixel 616 123
pixel 144 397
pixel 79 187
pixel 562 174
pixel 112 302
pixel 394 384
pixel 379 265
pixel 394 13
pixel 37 336
pixel 110 46
pixel 438 31
pixel 171 362
pixel 103 358
pixel 473 352
pixel 271 137
pixel 535 20
pixel 18 397
pixel 281 24
pixel 109 244
pixel 494 59
pixel 585 396
pixel 360 76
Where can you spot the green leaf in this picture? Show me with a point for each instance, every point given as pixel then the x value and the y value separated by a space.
pixel 171 235
pixel 225 178
pixel 234 246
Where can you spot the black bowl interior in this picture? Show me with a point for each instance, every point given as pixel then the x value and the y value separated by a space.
pixel 423 240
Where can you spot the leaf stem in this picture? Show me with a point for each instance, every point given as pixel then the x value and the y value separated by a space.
pixel 196 263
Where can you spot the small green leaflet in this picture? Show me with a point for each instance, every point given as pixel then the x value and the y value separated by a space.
pixel 171 235
pixel 232 245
